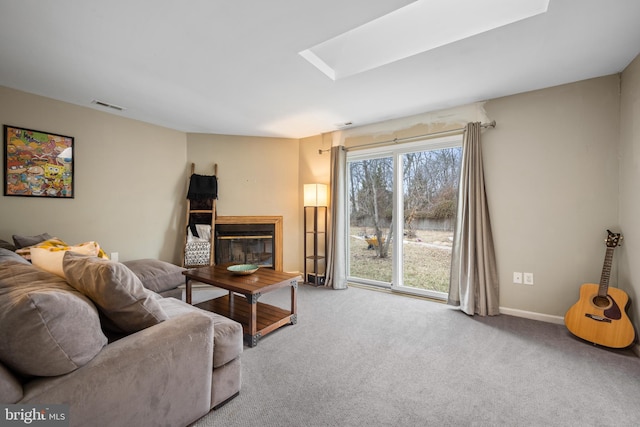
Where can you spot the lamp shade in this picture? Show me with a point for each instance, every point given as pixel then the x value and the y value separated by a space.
pixel 315 195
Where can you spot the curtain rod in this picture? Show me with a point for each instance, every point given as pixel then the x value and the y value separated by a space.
pixel 409 138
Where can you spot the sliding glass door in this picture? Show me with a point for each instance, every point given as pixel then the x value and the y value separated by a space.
pixel 401 207
pixel 371 219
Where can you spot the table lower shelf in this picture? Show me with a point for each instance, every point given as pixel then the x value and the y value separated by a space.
pixel 236 307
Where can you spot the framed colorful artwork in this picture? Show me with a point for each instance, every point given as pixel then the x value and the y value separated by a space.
pixel 37 164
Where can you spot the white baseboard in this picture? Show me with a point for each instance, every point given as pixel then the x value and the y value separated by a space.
pixel 532 315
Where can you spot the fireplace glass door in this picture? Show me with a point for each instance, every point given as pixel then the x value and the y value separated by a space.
pixel 245 244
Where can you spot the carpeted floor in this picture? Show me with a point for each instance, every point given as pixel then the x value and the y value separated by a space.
pixel 364 358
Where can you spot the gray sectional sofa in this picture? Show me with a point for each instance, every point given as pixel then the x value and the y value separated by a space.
pixel 123 357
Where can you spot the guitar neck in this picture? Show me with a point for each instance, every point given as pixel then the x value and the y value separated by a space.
pixel 606 273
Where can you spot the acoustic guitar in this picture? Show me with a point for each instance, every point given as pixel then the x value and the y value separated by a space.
pixel 599 316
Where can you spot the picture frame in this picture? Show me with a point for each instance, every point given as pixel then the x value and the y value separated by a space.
pixel 38 164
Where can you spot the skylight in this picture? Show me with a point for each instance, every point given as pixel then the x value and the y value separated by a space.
pixel 418 27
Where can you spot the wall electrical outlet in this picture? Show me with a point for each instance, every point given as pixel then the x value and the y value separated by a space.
pixel 114 256
pixel 517 277
pixel 528 278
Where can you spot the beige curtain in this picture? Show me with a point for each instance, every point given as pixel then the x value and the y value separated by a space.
pixel 474 279
pixel 336 276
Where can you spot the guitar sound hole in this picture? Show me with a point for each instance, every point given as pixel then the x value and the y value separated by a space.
pixel 601 302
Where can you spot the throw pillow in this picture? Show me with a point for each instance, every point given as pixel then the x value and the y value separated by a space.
pixel 156 275
pixel 47 327
pixel 7 255
pixel 50 258
pixel 24 241
pixel 116 291
pixel 6 245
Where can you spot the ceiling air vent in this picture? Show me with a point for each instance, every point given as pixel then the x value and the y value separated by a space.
pixel 107 105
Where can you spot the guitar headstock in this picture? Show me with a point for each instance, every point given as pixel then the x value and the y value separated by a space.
pixel 613 239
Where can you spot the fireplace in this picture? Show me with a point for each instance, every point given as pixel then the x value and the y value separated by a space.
pixel 249 240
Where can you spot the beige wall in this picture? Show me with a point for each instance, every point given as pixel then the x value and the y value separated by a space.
pixel 551 168
pixel 629 252
pixel 256 176
pixel 314 166
pixel 129 179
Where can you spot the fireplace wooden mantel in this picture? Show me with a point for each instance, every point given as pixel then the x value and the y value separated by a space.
pixel 276 221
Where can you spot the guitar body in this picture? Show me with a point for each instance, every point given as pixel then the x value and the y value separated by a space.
pixel 601 320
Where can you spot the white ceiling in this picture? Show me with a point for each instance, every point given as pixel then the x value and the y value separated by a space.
pixel 233 66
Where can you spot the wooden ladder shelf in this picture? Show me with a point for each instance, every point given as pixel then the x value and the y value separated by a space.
pixel 197 212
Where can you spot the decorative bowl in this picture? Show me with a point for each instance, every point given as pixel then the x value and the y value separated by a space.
pixel 243 269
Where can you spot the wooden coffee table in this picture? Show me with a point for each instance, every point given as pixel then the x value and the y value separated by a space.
pixel 257 319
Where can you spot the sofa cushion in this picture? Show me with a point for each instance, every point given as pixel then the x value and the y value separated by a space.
pixel 156 275
pixel 173 293
pixel 6 245
pixel 24 241
pixel 227 334
pixel 7 255
pixel 47 327
pixel 10 388
pixel 116 291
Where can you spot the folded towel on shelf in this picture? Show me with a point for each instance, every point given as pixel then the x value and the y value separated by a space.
pixel 202 187
pixel 199 232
